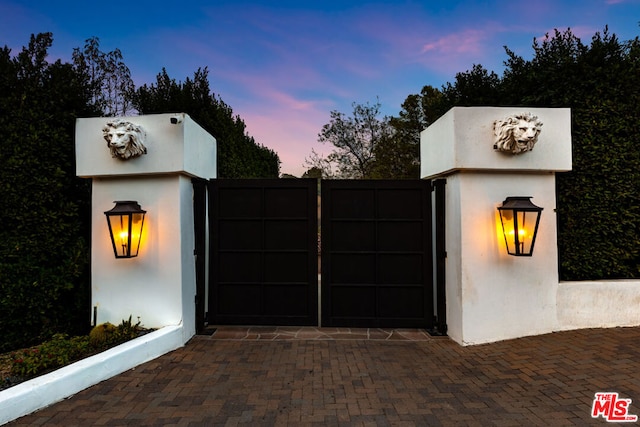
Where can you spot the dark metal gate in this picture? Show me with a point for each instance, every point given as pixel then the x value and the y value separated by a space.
pixel 381 266
pixel 264 252
pixel 377 254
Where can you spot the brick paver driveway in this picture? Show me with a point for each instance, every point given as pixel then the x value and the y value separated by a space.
pixel 543 380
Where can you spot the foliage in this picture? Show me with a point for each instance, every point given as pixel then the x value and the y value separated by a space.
pixel 400 156
pixel 45 215
pixel 369 147
pixel 598 206
pixel 125 331
pixel 319 165
pixel 313 172
pixel 55 353
pixel 101 333
pixel 61 349
pixel 110 83
pixel 599 200
pixel 355 140
pixel 239 156
pixel 474 87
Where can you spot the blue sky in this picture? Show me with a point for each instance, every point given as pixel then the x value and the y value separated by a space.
pixel 284 65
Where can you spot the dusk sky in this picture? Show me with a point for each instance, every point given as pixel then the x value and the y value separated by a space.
pixel 284 65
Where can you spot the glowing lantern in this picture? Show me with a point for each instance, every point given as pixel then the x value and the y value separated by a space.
pixel 520 219
pixel 125 222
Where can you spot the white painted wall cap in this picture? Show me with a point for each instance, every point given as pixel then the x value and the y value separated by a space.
pixel 463 139
pixel 174 143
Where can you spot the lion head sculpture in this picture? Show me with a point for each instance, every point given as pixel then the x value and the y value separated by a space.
pixel 124 139
pixel 516 134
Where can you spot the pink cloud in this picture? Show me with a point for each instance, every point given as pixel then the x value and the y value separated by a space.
pixel 454 52
pixel 416 37
pixel 464 43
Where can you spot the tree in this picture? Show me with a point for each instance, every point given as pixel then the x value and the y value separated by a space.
pixel 399 157
pixel 239 156
pixel 110 83
pixel 313 172
pixel 44 263
pixel 474 87
pixel 354 139
pixel 319 165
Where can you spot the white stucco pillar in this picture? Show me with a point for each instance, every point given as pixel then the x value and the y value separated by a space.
pixel 491 295
pixel 158 285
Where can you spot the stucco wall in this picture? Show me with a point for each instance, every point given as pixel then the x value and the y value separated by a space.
pixel 503 296
pixel 157 284
pixel 491 295
pixel 598 304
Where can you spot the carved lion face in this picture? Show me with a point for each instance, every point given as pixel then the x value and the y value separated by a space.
pixel 124 139
pixel 517 134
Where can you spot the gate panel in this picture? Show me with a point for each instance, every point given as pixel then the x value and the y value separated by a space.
pixel 264 252
pixel 376 254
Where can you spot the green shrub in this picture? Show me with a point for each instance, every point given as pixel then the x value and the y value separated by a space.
pixel 125 331
pixel 107 334
pixel 61 350
pixel 101 334
pixel 55 353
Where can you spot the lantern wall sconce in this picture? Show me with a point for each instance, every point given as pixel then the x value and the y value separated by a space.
pixel 125 222
pixel 520 219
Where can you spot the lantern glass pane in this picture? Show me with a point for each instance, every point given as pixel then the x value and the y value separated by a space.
pixel 136 232
pixel 524 236
pixel 508 228
pixel 120 232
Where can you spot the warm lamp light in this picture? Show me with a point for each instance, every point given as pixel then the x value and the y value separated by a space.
pixel 520 219
pixel 125 222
